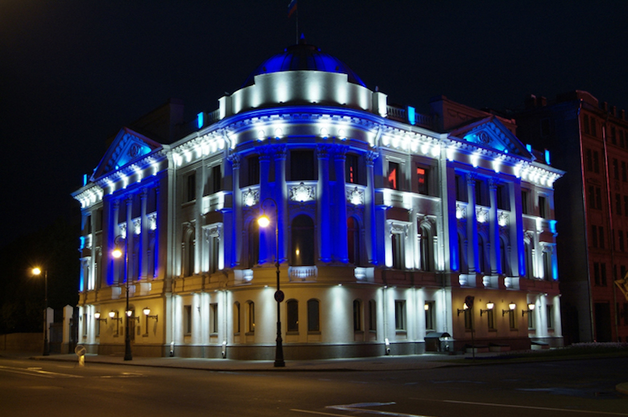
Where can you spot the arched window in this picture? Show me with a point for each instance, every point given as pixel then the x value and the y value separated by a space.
pixel 302 241
pixel 353 241
pixel 372 315
pixel 189 243
pixel 504 257
pixel 313 316
pixel 250 317
pixel 357 315
pixel 481 256
pixel 253 253
pixel 292 307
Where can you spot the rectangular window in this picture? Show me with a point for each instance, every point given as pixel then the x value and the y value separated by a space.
pixel 398 250
pixel 512 319
pixel 84 326
pixel 615 169
pixel 352 170
pixel 216 179
pixel 461 188
pixel 613 135
pixel 531 325
pixel 490 319
pixel 213 318
pixel 600 230
pixel 430 312
pixel 593 127
pixel 190 190
pixel 603 274
pixel 479 193
pixel 596 162
pixel 626 205
pixel 393 175
pixel 313 316
pixel 423 176
pixel 624 173
pixel 598 198
pixel 400 315
pixel 589 160
pixel 621 240
pixel 621 139
pixel 550 316
pixel 503 200
pixel 596 274
pixel 372 315
pixel 618 204
pixel 252 170
pixel 585 124
pixel 525 194
pixel 187 319
pixel 542 207
pixel 302 165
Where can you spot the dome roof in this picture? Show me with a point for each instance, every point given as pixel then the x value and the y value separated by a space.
pixel 303 57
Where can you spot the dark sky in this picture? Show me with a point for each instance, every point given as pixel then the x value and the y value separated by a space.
pixel 73 72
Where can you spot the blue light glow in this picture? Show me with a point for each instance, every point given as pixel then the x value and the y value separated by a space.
pixel 411 115
pixel 529 147
pixel 200 120
pixel 547 157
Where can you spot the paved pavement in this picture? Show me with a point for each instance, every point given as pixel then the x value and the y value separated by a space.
pixel 381 363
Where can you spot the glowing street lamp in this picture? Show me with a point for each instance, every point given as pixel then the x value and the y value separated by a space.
pixel 37 271
pixel 264 221
pixel 117 253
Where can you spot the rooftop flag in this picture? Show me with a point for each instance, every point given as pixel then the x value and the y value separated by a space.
pixel 292 7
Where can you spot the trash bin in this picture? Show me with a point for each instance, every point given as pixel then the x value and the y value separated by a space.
pixel 438 342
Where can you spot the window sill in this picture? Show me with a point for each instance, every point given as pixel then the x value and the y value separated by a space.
pixel 314 332
pixel 292 332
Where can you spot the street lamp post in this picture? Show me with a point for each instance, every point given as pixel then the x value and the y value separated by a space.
pixel 37 271
pixel 264 221
pixel 117 253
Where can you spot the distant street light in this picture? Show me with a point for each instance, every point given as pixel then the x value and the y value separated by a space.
pixel 117 253
pixel 37 271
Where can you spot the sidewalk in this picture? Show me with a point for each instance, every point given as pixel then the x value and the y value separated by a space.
pixel 381 363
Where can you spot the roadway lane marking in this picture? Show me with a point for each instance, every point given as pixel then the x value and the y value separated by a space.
pixel 37 372
pixel 356 407
pixel 597 413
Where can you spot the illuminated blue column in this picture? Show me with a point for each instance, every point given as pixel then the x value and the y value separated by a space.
pixel 144 227
pixel 323 204
pixel 281 197
pixel 370 225
pixel 340 215
pixel 472 225
pixel 114 229
pixel 266 241
pixel 516 232
pixel 129 239
pixel 236 231
pixel 494 229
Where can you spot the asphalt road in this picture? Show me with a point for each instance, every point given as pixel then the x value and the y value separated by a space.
pixel 556 389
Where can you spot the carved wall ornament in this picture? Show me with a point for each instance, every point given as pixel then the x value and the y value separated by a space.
pixel 302 193
pixel 250 197
pixel 355 196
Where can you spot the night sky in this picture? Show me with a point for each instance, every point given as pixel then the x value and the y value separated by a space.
pixel 73 72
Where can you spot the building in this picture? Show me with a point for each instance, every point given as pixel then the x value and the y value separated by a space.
pixel 394 232
pixel 590 141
